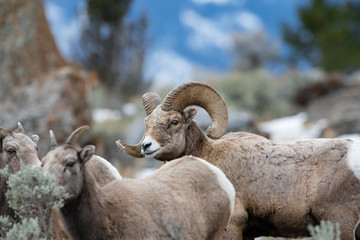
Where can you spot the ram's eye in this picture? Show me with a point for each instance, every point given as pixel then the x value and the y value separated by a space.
pixel 174 122
pixel 11 151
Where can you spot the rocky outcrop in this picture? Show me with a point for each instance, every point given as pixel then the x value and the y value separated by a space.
pixel 27 47
pixel 57 100
pixel 37 86
pixel 341 109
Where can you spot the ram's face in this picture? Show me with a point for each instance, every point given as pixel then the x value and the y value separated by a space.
pixel 164 137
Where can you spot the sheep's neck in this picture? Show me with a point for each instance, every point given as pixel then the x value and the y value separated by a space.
pixel 84 215
pixel 196 142
pixel 3 189
pixel 5 210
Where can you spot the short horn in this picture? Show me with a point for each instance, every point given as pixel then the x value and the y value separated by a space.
pixel 150 101
pixel 132 150
pixel 202 95
pixel 74 136
pixel 21 128
pixel 53 143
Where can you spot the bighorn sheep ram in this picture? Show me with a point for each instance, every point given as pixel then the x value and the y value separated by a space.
pixel 186 199
pixel 281 187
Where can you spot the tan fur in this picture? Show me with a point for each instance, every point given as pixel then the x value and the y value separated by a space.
pixel 176 202
pixel 281 187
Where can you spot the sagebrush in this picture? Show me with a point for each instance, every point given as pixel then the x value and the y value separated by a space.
pixel 33 196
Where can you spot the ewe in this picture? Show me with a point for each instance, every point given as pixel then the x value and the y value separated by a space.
pixel 185 199
pixel 15 146
pixel 281 187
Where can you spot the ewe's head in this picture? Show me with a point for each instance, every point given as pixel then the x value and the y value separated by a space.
pixel 167 122
pixel 65 162
pixel 16 146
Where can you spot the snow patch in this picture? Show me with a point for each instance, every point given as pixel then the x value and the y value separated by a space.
pixel 293 127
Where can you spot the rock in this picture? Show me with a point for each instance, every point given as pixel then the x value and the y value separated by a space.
pixel 27 47
pixel 57 101
pixel 318 87
pixel 341 109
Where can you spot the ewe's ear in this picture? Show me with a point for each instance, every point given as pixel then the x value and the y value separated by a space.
pixel 86 153
pixel 35 139
pixel 3 133
pixel 189 114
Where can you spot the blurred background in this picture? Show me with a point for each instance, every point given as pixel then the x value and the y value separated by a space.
pixel 286 69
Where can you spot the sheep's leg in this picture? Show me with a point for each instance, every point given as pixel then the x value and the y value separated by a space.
pixel 237 222
pixel 347 232
pixel 357 232
pixel 348 222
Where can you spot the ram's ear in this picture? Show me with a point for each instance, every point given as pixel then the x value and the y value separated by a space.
pixel 189 114
pixel 86 153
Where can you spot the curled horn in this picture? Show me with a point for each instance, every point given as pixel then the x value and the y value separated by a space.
pixel 132 150
pixel 202 95
pixel 150 101
pixel 74 136
pixel 20 127
pixel 53 143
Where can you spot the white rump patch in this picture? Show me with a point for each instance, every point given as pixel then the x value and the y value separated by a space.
pixel 111 168
pixel 353 158
pixel 224 183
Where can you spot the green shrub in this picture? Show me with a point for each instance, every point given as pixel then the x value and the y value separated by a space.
pixel 325 231
pixel 28 228
pixel 266 96
pixel 33 196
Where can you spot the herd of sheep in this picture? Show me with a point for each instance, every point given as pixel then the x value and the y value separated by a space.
pixel 220 186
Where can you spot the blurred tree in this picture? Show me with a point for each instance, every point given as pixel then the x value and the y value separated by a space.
pixel 328 35
pixel 113 46
pixel 252 50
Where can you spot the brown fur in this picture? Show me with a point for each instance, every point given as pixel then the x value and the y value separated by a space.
pixel 176 202
pixel 281 187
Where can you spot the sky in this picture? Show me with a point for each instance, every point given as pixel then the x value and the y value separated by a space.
pixel 186 35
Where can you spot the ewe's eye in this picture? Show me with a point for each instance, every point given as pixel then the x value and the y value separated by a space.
pixel 175 122
pixel 70 164
pixel 10 151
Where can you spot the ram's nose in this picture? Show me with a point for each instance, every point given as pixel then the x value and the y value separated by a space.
pixel 145 146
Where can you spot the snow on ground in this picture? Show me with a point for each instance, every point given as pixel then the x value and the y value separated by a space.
pixel 293 127
pixel 108 114
pixel 354 136
pixel 104 114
